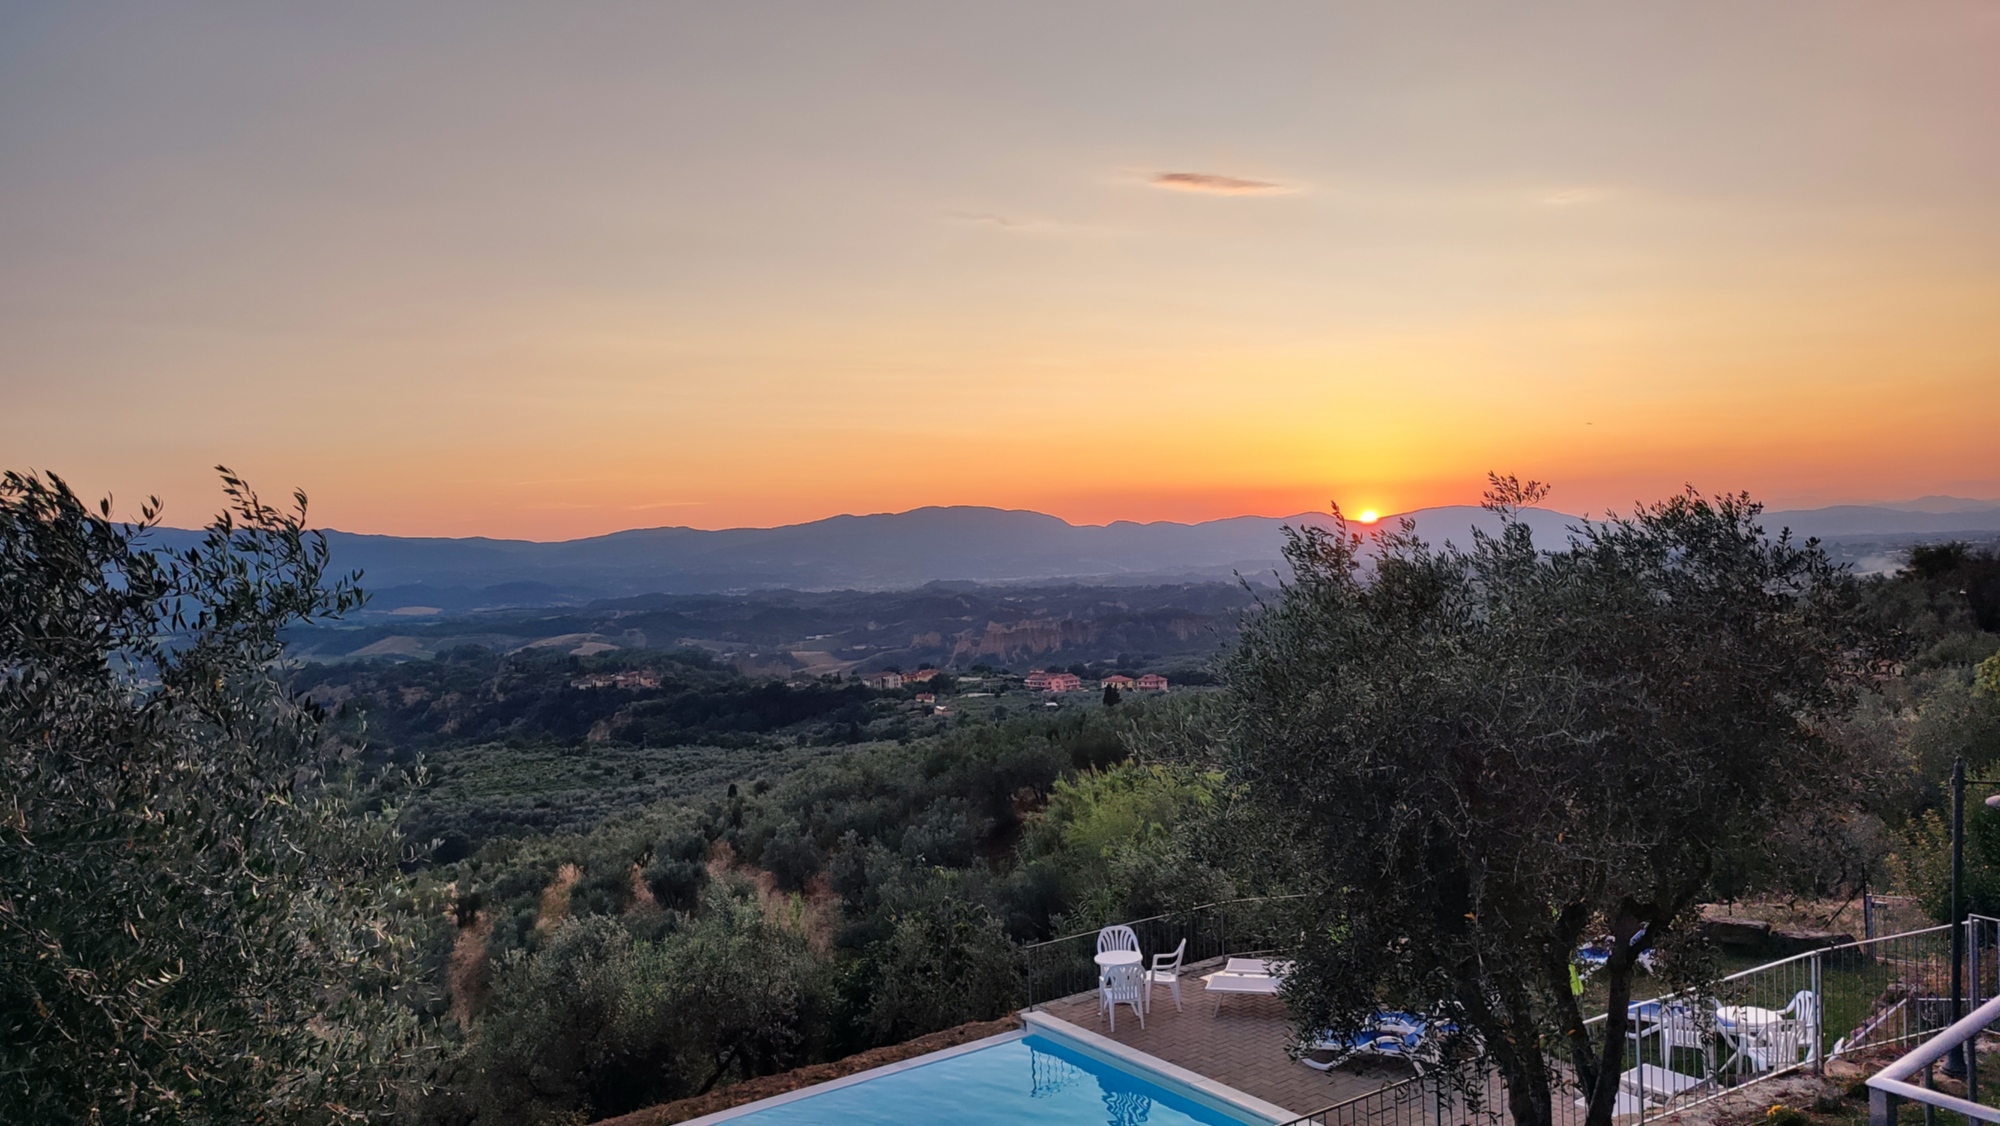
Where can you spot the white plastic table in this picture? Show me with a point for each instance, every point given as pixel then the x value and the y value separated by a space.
pixel 1746 1018
pixel 1741 1026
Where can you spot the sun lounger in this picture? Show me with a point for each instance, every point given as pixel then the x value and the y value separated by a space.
pixel 1388 1035
pixel 1657 1083
pixel 1649 1085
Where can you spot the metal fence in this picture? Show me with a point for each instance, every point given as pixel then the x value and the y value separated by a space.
pixel 1063 967
pixel 1889 1088
pixel 1682 1049
pixel 1769 1020
pixel 1890 990
pixel 1423 1101
pixel 1913 1078
pixel 1982 958
pixel 1891 914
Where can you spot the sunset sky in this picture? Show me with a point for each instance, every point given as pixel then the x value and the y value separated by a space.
pixel 553 270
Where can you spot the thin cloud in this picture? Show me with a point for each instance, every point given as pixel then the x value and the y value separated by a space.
pixel 981 218
pixel 1001 222
pixel 1570 197
pixel 1212 184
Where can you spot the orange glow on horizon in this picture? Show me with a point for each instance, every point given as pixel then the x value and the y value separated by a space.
pixel 546 294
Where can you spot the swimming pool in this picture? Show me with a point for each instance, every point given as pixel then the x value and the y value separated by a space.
pixel 1036 1078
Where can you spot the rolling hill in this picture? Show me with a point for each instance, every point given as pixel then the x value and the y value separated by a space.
pixel 905 550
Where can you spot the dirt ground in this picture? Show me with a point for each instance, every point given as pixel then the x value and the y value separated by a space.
pixel 1826 1101
pixel 1838 1098
pixel 1801 914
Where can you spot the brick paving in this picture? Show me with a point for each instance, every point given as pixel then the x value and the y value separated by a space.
pixel 1243 1046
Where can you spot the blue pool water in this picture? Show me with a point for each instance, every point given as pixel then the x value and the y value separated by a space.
pixel 1034 1079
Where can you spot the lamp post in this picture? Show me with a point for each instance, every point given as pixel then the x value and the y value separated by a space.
pixel 1954 1064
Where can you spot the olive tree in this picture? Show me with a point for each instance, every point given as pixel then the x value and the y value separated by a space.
pixel 192 927
pixel 1485 756
pixel 594 1022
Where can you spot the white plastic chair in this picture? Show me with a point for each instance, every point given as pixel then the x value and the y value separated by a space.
pixel 1167 971
pixel 1680 1027
pixel 1122 985
pixel 1118 937
pixel 1795 1035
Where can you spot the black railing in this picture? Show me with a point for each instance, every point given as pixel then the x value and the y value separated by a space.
pixel 1062 967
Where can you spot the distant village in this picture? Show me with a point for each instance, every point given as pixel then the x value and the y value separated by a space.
pixel 1037 680
pixel 632 678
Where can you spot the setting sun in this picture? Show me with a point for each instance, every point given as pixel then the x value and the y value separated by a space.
pixel 1369 516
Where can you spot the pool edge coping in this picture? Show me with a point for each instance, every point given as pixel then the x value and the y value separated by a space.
pixel 1212 1088
pixel 858 1077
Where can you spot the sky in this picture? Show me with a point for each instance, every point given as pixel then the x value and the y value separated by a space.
pixel 547 271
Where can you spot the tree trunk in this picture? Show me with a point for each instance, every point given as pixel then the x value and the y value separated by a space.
pixel 1611 1065
pixel 1528 1090
pixel 1603 1093
pixel 1582 1053
pixel 722 1061
pixel 1514 1043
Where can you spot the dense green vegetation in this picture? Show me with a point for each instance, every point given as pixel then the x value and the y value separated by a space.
pixel 860 866
pixel 1942 704
pixel 528 742
pixel 600 897
pixel 886 888
pixel 1487 757
pixel 196 920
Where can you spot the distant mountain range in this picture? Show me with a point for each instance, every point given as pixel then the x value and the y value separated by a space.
pixel 904 550
pixel 1936 503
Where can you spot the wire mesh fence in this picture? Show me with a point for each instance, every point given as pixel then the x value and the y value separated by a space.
pixel 1063 967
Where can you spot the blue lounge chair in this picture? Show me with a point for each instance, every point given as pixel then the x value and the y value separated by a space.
pixel 1386 1035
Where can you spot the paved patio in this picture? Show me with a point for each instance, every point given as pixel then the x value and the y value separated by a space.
pixel 1243 1047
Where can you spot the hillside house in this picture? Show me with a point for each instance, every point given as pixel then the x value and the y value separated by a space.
pixel 883 680
pixel 1065 682
pixel 634 678
pixel 921 676
pixel 1121 683
pixel 1151 682
pixel 1037 681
